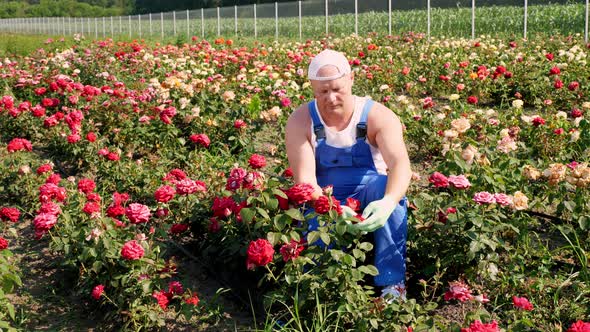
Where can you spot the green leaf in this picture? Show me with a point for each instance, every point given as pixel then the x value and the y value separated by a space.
pixel 281 221
pixel 10 308
pixel 295 214
pixel 369 269
pixel 349 260
pixel 273 238
pixel 325 238
pixel 295 235
pixel 263 213
pixel 272 204
pixel 366 246
pixel 247 215
pixel 280 193
pixel 312 237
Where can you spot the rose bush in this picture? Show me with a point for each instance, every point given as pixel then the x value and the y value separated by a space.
pixel 105 144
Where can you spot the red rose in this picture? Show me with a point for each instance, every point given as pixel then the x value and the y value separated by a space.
pixel 86 185
pixel 300 193
pixel 178 228
pixel 283 202
pixel 138 213
pixel 538 121
pixel 112 156
pixel 10 214
pixel 522 303
pixel 174 175
pixel 549 56
pixel 260 253
pixel 288 173
pixel 132 250
pixel 223 207
pixel 115 210
pixel 193 299
pixel 478 326
pixel 19 144
pixel 554 71
pixel 353 203
pixel 239 124
pixel 439 180
pixel 576 113
pixel 91 137
pixel 91 207
pixel 54 179
pixel 257 161
pixel 44 169
pixel 201 139
pixel 291 250
pixel 573 86
pixel 73 138
pixel 164 194
pixel 579 326
pixel 175 287
pixel 167 114
pixel 558 84
pixel 163 298
pixel 51 191
pixel 324 204
pixel 93 197
pixel 97 291
pixel 3 243
pixel 472 100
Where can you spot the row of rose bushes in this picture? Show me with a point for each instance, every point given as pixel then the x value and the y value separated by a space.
pixel 499 144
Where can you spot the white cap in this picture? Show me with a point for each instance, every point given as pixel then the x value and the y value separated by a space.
pixel 328 58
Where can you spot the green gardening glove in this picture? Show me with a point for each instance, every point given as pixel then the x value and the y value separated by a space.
pixel 376 215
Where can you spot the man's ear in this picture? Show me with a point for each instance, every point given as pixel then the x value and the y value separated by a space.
pixel 352 77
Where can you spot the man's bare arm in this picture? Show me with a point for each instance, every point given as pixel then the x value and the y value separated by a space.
pixel 299 150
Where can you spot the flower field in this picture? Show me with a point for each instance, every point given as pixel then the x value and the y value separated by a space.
pixel 113 154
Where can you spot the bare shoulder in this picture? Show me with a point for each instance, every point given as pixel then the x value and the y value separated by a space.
pixel 382 117
pixel 299 121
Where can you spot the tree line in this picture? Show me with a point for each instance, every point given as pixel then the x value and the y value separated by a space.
pixel 97 8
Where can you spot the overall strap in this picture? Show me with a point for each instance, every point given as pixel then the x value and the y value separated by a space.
pixel 361 127
pixel 318 127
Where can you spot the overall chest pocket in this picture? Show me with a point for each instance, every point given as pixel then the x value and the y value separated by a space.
pixel 329 157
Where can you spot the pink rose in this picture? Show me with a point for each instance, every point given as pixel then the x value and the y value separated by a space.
pixel 459 181
pixel 201 139
pixel 138 213
pixel 132 250
pixel 522 303
pixel 188 186
pixel 484 197
pixel 44 222
pixel 458 291
pixel 503 199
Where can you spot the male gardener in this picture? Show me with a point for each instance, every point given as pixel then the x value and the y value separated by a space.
pixel 355 145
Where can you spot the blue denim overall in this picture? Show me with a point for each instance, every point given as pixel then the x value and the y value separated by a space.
pixel 352 173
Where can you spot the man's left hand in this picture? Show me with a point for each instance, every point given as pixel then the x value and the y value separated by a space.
pixel 376 215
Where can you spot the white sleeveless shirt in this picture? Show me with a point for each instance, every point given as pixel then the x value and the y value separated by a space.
pixel 347 136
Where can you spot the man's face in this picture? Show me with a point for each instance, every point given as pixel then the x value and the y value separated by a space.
pixel 332 95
